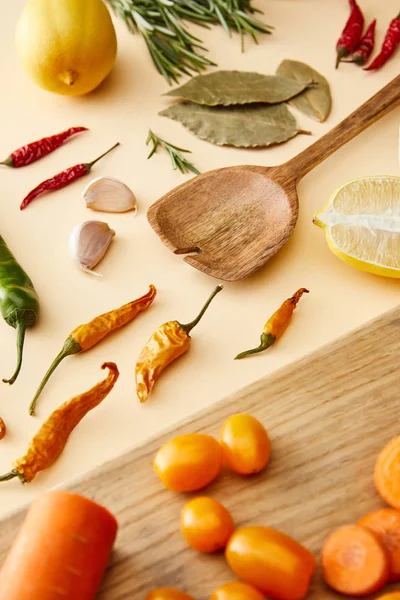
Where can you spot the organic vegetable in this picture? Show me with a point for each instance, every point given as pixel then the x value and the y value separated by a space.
pixel 19 301
pixel 389 47
pixel 365 47
pixel 88 243
pixel 271 561
pixel 175 153
pixel 168 594
pixel 316 101
pixel 351 34
pixel 189 462
pixel 52 437
pixel 354 562
pixel 359 227
pixel 276 325
pixel 206 524
pixel 36 150
pixel 61 550
pixel 385 523
pixel 109 194
pixel 167 343
pixel 227 88
pixel 245 444
pixel 386 473
pixel 174 50
pixel 3 429
pixel 66 47
pixel 88 335
pixel 62 179
pixel 236 591
pixel 390 596
pixel 249 126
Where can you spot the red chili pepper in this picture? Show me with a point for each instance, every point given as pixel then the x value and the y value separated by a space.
pixel 351 34
pixel 62 179
pixel 36 150
pixel 390 43
pixel 365 47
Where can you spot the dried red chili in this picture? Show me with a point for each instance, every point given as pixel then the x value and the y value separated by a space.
pixel 365 47
pixel 36 150
pixel 351 34
pixel 389 46
pixel 62 179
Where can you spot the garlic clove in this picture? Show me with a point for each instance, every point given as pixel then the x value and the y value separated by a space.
pixel 109 194
pixel 88 243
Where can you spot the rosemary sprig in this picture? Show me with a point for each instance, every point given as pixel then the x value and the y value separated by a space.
pixel 177 159
pixel 162 24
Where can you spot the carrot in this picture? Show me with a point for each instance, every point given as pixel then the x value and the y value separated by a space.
pixel 386 473
pixel 385 523
pixel 390 596
pixel 61 550
pixel 354 561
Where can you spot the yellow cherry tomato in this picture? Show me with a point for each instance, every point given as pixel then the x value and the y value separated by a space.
pixel 206 524
pixel 168 594
pixel 189 462
pixel 245 444
pixel 271 561
pixel 237 591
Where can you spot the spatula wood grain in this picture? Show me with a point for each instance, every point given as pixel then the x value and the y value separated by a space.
pixel 328 416
pixel 233 220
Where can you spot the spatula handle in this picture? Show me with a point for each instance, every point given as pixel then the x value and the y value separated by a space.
pixel 375 108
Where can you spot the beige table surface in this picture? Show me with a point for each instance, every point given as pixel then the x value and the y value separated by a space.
pixel 122 110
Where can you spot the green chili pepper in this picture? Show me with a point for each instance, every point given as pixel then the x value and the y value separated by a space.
pixel 19 302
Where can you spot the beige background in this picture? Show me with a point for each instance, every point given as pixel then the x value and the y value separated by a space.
pixel 122 110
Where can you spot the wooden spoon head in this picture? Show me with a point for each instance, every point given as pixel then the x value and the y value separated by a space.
pixel 237 218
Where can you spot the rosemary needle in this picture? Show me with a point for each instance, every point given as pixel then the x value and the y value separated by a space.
pixel 175 153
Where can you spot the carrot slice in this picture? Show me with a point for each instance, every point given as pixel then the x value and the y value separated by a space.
pixel 61 550
pixel 354 562
pixel 385 523
pixel 386 474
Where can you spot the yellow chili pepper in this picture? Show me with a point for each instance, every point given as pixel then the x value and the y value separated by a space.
pixel 53 435
pixel 88 335
pixel 276 326
pixel 168 343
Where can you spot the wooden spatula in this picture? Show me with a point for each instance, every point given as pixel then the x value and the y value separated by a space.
pixel 229 222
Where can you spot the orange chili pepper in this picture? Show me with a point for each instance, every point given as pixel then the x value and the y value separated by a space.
pixel 52 437
pixel 88 335
pixel 3 429
pixel 167 343
pixel 276 326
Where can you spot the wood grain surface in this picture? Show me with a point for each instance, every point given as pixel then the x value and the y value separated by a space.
pixel 328 416
pixel 235 219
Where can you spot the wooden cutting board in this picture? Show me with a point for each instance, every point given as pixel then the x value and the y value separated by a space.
pixel 328 416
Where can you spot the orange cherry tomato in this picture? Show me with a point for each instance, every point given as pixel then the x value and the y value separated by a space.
pixel 189 462
pixel 245 444
pixel 168 594
pixel 206 524
pixel 271 561
pixel 236 591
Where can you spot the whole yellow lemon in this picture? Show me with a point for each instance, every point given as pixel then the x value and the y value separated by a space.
pixel 66 46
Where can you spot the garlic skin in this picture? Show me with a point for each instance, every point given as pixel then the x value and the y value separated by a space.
pixel 108 194
pixel 88 243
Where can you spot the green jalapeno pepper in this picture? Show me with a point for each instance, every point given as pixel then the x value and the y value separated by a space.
pixel 19 302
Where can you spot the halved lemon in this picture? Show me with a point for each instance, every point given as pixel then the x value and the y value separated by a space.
pixel 362 224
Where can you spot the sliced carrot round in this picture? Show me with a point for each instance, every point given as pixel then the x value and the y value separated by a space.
pixel 354 562
pixel 385 523
pixel 387 473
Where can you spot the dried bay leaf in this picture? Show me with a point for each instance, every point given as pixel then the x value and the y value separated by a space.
pixel 251 126
pixel 224 88
pixel 316 101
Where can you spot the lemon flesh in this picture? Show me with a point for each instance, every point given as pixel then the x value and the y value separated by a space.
pixel 66 46
pixel 362 224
